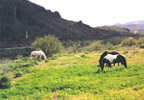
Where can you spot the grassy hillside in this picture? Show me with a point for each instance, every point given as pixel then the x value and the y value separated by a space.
pixel 77 77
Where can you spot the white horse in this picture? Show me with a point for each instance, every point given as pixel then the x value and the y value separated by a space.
pixel 39 54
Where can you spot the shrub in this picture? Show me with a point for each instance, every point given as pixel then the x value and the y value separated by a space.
pixel 5 81
pixel 142 45
pixel 75 46
pixel 140 41
pixel 94 46
pixel 109 46
pixel 4 69
pixel 113 41
pixel 129 42
pixel 49 44
pixel 54 57
pixel 18 74
pixel 125 52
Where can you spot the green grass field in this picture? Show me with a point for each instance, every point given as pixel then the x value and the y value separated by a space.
pixel 77 77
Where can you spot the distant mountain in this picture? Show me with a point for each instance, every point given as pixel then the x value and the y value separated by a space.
pixel 21 21
pixel 135 26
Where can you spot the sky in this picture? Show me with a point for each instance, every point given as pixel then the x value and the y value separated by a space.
pixel 96 12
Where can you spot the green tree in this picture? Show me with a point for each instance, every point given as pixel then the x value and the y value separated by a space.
pixel 48 44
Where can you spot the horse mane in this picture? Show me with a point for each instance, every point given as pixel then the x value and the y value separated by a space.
pixel 113 53
pixel 103 55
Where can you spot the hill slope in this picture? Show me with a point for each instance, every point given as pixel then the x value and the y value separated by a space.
pixel 21 21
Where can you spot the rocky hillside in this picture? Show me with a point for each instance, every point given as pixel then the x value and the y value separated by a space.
pixel 21 21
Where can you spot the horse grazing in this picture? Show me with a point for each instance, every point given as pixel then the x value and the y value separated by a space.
pixel 39 54
pixel 105 53
pixel 111 58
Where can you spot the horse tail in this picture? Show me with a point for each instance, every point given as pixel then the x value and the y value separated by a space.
pixel 125 63
pixel 122 59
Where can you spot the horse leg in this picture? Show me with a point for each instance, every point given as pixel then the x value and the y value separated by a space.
pixel 35 57
pixel 102 67
pixel 32 57
pixel 109 65
pixel 114 64
pixel 40 57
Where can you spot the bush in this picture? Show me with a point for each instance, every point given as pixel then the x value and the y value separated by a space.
pixel 94 46
pixel 48 44
pixel 142 45
pixel 18 74
pixel 129 42
pixel 125 52
pixel 4 69
pixel 109 46
pixel 114 41
pixel 140 41
pixel 5 78
pixel 75 46
pixel 5 81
